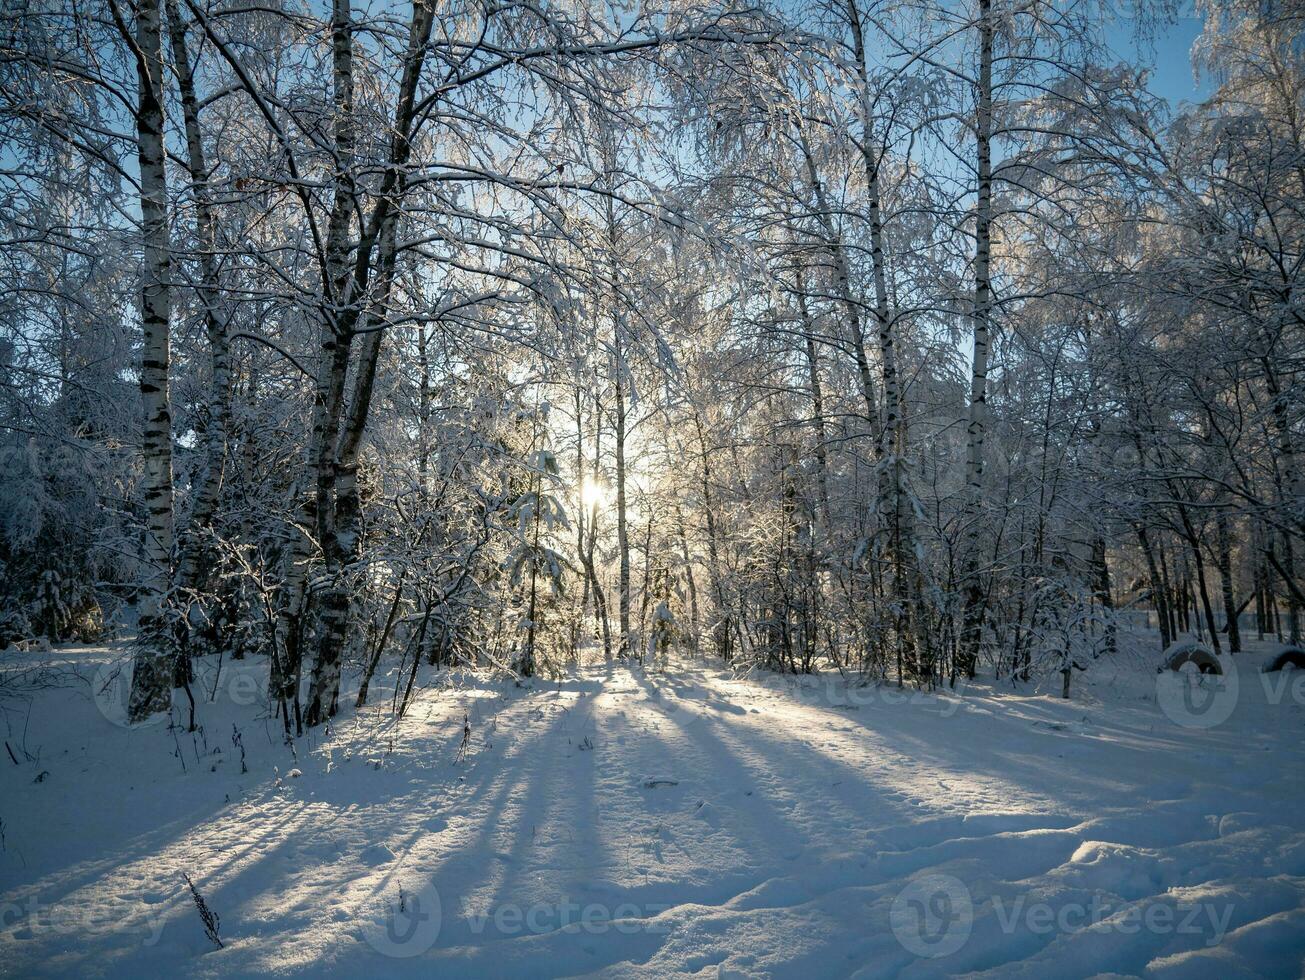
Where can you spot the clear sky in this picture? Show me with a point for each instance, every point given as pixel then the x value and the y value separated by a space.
pixel 1171 62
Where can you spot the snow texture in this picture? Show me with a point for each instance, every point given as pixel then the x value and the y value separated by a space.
pixel 622 824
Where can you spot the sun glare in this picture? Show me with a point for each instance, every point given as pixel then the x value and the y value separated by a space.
pixel 593 494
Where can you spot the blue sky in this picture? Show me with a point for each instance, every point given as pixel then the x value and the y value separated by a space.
pixel 1171 62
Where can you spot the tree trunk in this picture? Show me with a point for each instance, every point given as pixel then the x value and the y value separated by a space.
pixel 1230 610
pixel 336 339
pixel 151 688
pixel 382 240
pixel 1259 571
pixel 817 405
pixel 894 501
pixel 975 613
pixel 692 586
pixel 622 517
pixel 723 625
pixel 1159 590
pixel 1292 486
pixel 1197 557
pixel 843 286
pixel 375 658
pixel 339 509
pixel 209 483
pixel 1166 585
pixel 1293 590
pixel 1101 571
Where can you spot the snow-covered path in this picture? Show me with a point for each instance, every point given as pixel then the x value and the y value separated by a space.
pixel 632 824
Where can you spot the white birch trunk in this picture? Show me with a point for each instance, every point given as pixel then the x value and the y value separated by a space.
pixel 151 689
pixel 894 501
pixel 974 612
pixel 333 361
pixel 341 534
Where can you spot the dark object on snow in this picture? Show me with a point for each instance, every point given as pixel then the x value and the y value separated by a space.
pixel 1287 657
pixel 466 739
pixel 210 918
pixel 1191 652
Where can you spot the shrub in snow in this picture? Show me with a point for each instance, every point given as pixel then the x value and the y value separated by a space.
pixel 1067 632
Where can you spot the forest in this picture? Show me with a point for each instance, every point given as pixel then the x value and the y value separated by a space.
pixel 401 357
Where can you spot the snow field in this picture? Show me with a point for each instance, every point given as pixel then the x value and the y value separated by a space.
pixel 623 824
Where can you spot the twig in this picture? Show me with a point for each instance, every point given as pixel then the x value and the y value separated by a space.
pixel 212 921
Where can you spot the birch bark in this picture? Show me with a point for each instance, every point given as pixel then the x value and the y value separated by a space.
pixel 151 688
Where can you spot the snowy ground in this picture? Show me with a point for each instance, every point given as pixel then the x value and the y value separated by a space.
pixel 693 824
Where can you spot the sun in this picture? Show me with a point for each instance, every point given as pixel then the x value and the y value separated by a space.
pixel 593 494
